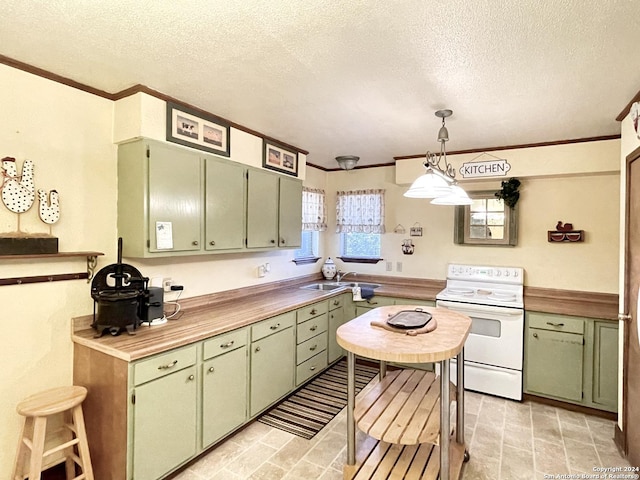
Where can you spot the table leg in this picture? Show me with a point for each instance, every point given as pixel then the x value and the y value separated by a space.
pixel 444 419
pixel 460 399
pixel 383 369
pixel 351 404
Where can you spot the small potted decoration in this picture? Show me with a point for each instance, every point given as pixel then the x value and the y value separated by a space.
pixel 509 193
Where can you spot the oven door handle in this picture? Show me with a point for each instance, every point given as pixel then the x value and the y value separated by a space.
pixel 478 309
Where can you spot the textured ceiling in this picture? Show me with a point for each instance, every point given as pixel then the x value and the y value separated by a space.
pixel 353 77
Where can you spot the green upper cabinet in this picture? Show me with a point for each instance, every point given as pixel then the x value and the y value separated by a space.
pixel 274 210
pixel 159 199
pixel 224 204
pixel 262 209
pixel 174 201
pixel 290 213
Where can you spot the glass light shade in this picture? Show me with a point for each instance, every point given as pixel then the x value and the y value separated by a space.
pixel 347 162
pixel 457 196
pixel 428 185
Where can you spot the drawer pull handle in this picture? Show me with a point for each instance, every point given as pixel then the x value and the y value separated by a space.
pixel 191 377
pixel 272 241
pixel 535 335
pixel 257 349
pixel 313 311
pixel 211 369
pixel 336 302
pixel 312 368
pixel 168 365
pixel 555 324
pixel 282 241
pixel 275 327
pixel 212 243
pixel 314 347
pixel 372 303
pixel 314 328
pixel 194 243
pixel 228 344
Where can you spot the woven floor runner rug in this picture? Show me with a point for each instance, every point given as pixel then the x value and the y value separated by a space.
pixel 307 410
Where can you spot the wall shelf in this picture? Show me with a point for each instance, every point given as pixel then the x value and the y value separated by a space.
pixel 92 261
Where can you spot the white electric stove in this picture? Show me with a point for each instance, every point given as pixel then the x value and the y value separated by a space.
pixel 492 297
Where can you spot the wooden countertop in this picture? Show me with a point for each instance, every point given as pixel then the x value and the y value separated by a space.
pixel 198 323
pixel 446 341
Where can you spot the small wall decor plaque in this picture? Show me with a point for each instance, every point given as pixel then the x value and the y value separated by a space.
pixel 416 230
pixel 565 233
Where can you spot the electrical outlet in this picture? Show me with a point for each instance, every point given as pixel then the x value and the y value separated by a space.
pixel 166 284
pixel 389 266
pixel 261 271
pixel 399 266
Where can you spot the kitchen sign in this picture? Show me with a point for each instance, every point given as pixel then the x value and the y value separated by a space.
pixel 487 168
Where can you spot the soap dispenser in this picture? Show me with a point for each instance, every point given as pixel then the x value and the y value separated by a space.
pixel 329 269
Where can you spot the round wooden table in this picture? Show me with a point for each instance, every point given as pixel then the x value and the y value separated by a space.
pixel 400 408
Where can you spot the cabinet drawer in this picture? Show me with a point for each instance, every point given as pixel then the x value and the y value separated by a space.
pixel 164 364
pixel 557 323
pixel 272 325
pixel 311 347
pixel 376 301
pixel 311 367
pixel 336 302
pixel 311 311
pixel 312 327
pixel 224 343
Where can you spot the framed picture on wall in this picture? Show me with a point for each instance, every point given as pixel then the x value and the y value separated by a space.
pixel 195 129
pixel 279 158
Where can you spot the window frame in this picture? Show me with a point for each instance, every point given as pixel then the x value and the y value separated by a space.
pixel 462 224
pixel 313 257
pixel 363 259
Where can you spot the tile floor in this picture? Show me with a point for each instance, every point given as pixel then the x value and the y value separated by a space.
pixel 507 440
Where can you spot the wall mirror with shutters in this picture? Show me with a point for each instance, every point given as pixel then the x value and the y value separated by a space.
pixel 487 221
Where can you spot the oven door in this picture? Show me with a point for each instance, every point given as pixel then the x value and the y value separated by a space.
pixel 497 333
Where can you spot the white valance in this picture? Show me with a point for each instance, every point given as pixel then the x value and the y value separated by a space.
pixel 314 209
pixel 360 211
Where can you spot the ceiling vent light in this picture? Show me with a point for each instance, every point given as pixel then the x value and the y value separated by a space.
pixel 438 182
pixel 347 162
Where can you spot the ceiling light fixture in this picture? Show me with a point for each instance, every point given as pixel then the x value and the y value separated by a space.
pixel 438 182
pixel 347 162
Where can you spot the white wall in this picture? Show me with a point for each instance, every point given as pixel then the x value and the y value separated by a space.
pixel 590 202
pixel 67 134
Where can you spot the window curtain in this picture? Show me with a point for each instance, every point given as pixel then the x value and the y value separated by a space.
pixel 314 210
pixel 360 211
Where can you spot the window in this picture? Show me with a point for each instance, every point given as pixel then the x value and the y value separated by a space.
pixel 314 220
pixel 487 221
pixel 360 221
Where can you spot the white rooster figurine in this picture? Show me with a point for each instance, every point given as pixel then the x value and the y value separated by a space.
pixel 49 210
pixel 17 190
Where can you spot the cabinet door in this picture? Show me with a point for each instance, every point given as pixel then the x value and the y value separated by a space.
pixel 554 363
pixel 224 394
pixel 336 318
pixel 174 197
pixel 605 364
pixel 290 213
pixel 164 424
pixel 224 205
pixel 262 209
pixel 272 368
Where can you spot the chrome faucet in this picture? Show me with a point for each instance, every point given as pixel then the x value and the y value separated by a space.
pixel 340 275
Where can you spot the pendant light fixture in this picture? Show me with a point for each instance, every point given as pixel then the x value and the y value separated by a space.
pixel 439 182
pixel 347 162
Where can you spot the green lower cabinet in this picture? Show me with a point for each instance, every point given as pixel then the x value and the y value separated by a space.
pixel 224 394
pixel 572 359
pixel 164 424
pixel 272 368
pixel 336 318
pixel 558 366
pixel 605 364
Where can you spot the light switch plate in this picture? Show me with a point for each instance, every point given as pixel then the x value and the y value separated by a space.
pixel 389 266
pixel 398 266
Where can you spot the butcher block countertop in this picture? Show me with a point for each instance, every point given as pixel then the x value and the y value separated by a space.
pixel 446 341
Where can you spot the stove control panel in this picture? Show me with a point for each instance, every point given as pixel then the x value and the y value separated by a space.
pixel 486 273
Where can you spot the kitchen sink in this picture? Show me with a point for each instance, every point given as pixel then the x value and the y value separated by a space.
pixel 322 286
pixel 357 284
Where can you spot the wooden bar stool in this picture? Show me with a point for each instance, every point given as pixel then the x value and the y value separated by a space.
pixel 36 409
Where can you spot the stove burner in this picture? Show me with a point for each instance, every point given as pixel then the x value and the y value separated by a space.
pixel 460 291
pixel 502 297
